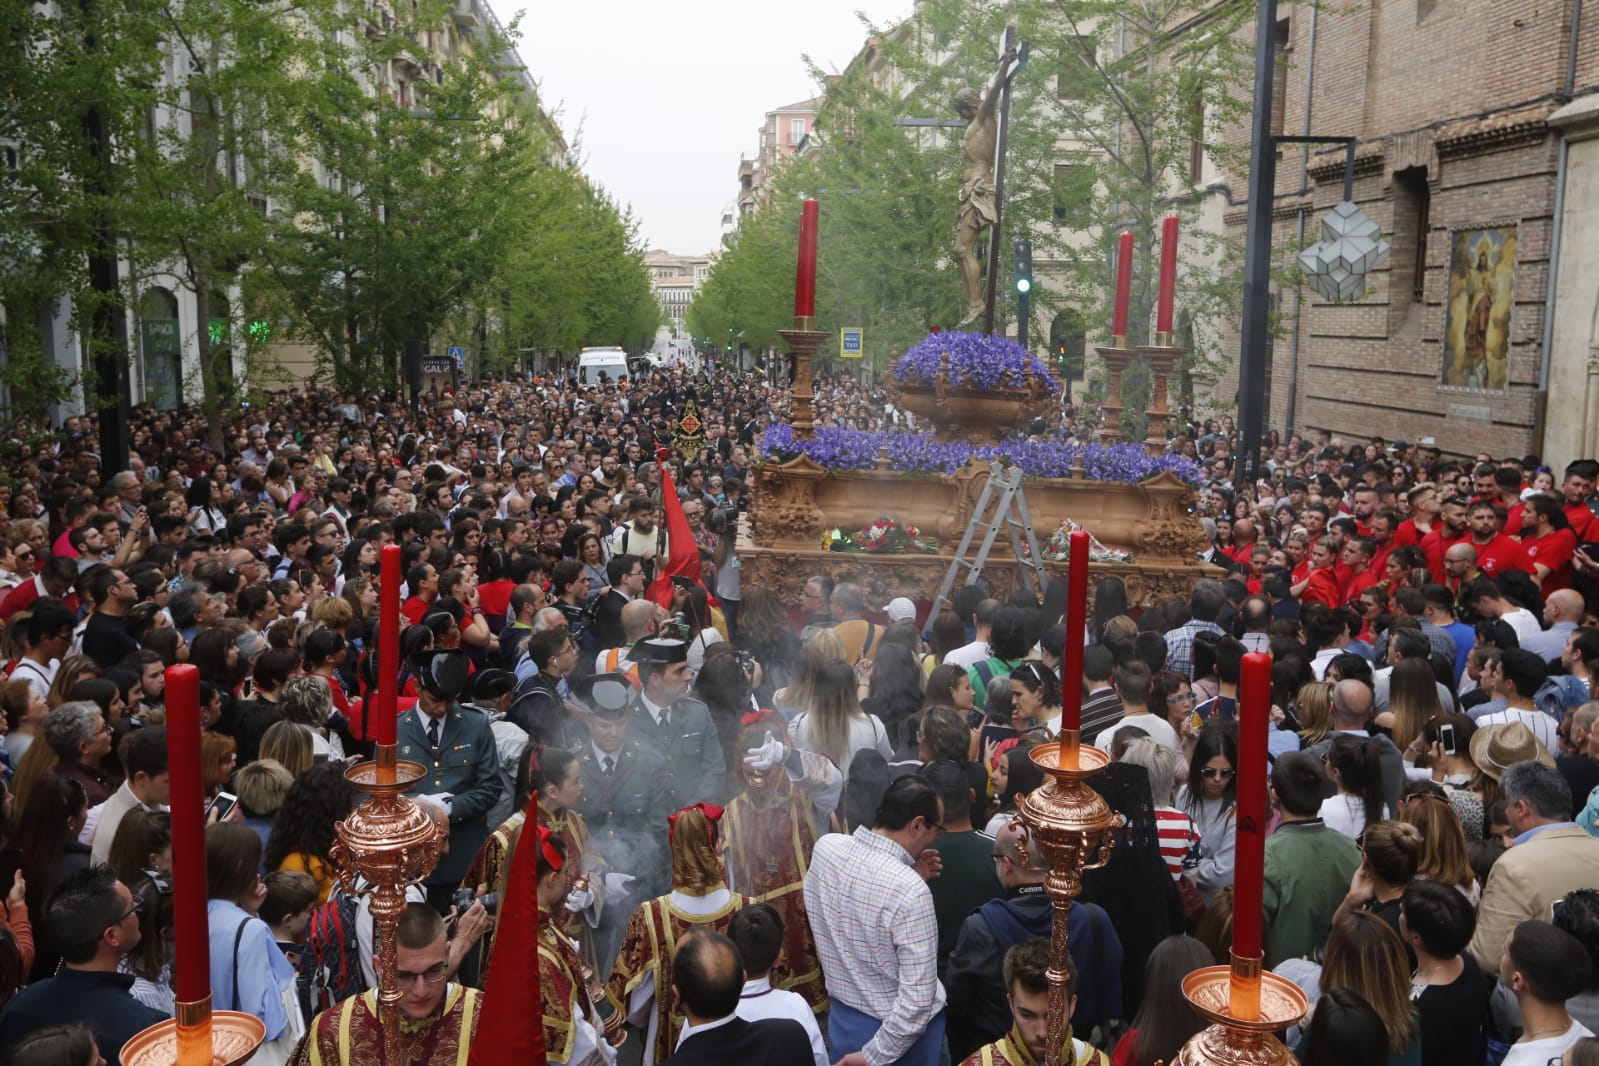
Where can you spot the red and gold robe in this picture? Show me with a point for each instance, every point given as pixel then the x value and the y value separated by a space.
pixel 488 869
pixel 768 838
pixel 561 984
pixel 648 945
pixel 349 1034
pixel 1011 1051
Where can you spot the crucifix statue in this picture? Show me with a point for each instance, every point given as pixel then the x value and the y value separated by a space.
pixel 987 116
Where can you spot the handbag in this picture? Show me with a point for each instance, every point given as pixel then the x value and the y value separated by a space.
pixel 274 1052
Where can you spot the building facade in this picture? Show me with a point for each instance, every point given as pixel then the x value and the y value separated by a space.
pixel 1479 165
pixel 781 134
pixel 675 279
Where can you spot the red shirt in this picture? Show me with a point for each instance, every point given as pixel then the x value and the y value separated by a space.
pixel 414 609
pixel 1501 554
pixel 1554 550
pixel 1513 515
pixel 1579 516
pixel 1407 533
pixel 1433 546
pixel 1361 582
pixel 1379 559
pixel 1323 588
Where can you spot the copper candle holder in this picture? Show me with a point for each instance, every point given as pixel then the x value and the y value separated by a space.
pixel 1225 995
pixel 805 340
pixel 1073 826
pixel 1162 357
pixel 1117 358
pixel 196 1036
pixel 390 842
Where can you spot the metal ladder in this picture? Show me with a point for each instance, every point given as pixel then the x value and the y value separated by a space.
pixel 1004 489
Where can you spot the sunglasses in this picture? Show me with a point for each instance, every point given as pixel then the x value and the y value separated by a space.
pixel 1213 772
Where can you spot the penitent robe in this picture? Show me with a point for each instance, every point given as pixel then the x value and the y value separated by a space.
pixel 349 1034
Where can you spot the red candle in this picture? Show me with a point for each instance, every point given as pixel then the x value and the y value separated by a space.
pixel 1071 696
pixel 1124 285
pixel 805 273
pixel 1254 720
pixel 381 723
pixel 190 923
pixel 1168 274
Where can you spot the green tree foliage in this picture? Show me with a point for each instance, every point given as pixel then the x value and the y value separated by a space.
pixel 1104 122
pixel 258 167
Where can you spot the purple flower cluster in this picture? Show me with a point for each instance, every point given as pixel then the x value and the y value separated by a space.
pixel 976 360
pixel 918 453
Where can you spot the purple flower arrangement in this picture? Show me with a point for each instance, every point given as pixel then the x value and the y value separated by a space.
pixel 977 361
pixel 919 453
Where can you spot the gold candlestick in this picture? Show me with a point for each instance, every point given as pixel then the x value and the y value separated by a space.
pixel 1162 356
pixel 1072 825
pixel 1225 994
pixel 805 340
pixel 196 1036
pixel 1117 358
pixel 390 843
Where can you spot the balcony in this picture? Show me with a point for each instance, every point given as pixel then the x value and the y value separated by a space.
pixel 466 14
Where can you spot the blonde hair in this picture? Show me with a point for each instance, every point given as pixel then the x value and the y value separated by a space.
pixel 835 706
pixel 1366 956
pixel 1444 854
pixel 1413 698
pixel 1161 764
pixel 696 857
pixel 1314 710
pixel 290 745
pixel 215 751
pixel 823 647
pixel 72 670
pixel 1120 625
pixel 333 612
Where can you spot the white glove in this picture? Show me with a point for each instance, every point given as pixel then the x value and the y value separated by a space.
pixel 616 888
pixel 579 900
pixel 767 755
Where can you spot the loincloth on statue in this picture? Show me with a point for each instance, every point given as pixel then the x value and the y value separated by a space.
pixel 977 202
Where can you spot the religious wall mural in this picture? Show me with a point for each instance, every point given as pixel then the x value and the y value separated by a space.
pixel 1482 292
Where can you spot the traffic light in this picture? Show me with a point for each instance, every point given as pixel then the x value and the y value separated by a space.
pixel 1023 251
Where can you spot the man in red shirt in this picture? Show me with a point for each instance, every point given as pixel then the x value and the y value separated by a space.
pixel 1357 558
pixel 1496 552
pixel 1508 486
pixel 1582 477
pixel 1449 530
pixel 55 580
pixel 1424 507
pixel 1243 542
pixel 1383 524
pixel 1363 505
pixel 1548 541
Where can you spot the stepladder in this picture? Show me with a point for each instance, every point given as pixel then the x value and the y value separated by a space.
pixel 1002 505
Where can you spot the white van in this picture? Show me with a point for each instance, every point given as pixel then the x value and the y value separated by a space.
pixel 592 361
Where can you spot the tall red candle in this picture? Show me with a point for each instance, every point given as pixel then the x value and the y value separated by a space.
pixel 1124 285
pixel 191 927
pixel 1071 696
pixel 381 723
pixel 805 272
pixel 1168 274
pixel 1254 721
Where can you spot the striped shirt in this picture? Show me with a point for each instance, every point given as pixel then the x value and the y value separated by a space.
pixel 1179 839
pixel 872 917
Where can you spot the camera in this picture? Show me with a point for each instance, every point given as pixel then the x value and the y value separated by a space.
pixel 465 897
pixel 675 627
pixel 721 518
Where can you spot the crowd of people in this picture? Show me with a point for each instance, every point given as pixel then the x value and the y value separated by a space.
pixel 783 830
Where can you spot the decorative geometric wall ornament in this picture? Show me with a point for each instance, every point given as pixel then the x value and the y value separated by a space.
pixel 1351 245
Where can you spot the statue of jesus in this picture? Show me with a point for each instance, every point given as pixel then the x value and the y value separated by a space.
pixel 978 209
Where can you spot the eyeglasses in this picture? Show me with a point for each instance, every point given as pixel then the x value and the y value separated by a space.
pixel 1186 697
pixel 137 908
pixel 432 976
pixel 1213 772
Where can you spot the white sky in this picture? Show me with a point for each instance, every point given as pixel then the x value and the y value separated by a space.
pixel 665 96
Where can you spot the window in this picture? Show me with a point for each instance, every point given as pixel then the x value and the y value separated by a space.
pixel 1068 199
pixel 1412 220
pixel 1196 140
pixel 1279 74
pixel 1076 61
pixel 796 130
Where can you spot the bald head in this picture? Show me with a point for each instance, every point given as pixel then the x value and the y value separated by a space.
pixel 707 975
pixel 1025 863
pixel 1563 605
pixel 1351 704
pixel 1243 531
pixel 1461 553
pixel 638 619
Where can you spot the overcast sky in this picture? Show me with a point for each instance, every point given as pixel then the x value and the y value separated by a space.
pixel 665 97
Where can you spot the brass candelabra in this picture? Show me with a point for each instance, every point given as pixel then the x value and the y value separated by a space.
pixel 1246 1006
pixel 196 1036
pixel 1162 357
pixel 1117 358
pixel 386 844
pixel 805 339
pixel 1073 826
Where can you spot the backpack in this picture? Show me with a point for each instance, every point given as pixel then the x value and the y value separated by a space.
pixel 329 969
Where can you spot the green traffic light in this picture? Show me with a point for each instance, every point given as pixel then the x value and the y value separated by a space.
pixel 1024 285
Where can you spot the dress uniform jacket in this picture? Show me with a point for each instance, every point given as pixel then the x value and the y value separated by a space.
pixel 694 771
pixel 466 764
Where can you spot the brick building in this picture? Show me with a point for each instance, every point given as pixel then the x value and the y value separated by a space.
pixel 1461 112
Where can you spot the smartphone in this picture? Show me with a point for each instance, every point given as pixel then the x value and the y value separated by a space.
pixel 223 805
pixel 1446 737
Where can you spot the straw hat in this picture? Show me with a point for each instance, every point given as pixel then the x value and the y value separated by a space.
pixel 1496 748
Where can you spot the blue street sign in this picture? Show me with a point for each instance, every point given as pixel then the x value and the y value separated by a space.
pixel 851 345
pixel 458 353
